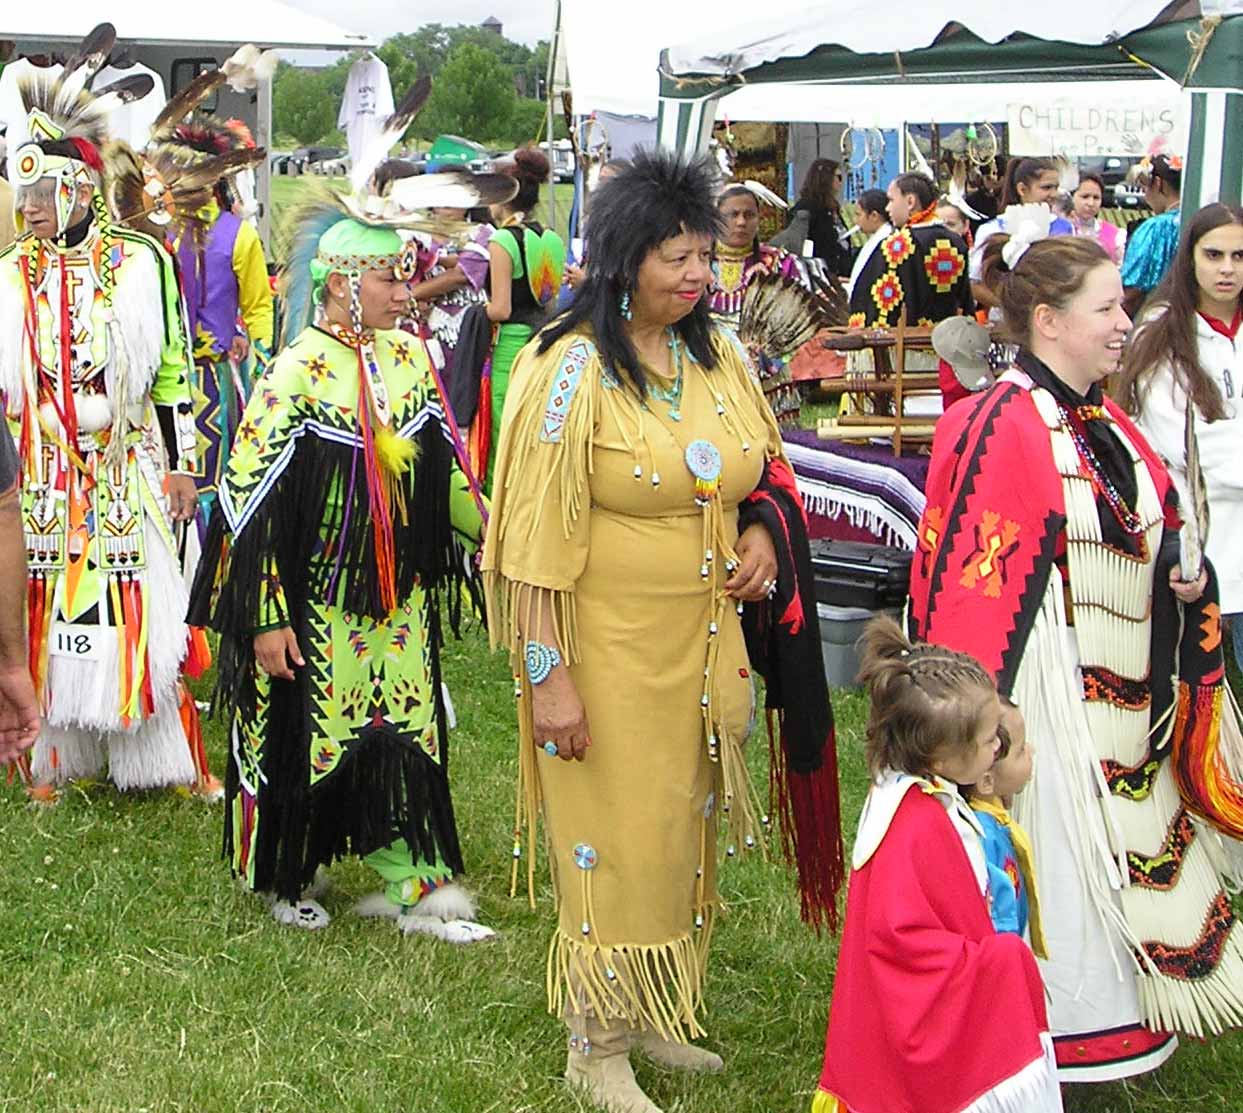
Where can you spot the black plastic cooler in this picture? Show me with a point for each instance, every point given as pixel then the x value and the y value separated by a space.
pixel 855 582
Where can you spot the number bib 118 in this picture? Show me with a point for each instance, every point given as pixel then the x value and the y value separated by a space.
pixel 79 641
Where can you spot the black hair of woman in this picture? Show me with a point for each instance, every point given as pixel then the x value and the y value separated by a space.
pixel 1171 335
pixel 1091 176
pixel 820 185
pixel 1023 171
pixel 658 197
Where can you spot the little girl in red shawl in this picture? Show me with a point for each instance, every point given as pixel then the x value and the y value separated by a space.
pixel 932 1011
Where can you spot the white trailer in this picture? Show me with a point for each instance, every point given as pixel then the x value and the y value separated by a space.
pixel 180 42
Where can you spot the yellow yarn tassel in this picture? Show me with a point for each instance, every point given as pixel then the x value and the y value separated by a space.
pixel 394 453
pixel 395 456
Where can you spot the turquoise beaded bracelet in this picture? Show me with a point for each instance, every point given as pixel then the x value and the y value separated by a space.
pixel 541 660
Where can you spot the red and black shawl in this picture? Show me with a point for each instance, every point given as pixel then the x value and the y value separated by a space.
pixel 783 643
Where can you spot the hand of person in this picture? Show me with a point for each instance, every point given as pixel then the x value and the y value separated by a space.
pixel 1188 592
pixel 574 275
pixel 19 712
pixel 239 349
pixel 183 497
pixel 756 574
pixel 558 716
pixel 275 649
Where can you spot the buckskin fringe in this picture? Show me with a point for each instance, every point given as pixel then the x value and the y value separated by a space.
pixel 658 987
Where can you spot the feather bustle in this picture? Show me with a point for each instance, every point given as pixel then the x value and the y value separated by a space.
pixel 779 316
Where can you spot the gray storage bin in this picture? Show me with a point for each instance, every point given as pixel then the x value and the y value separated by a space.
pixel 840 628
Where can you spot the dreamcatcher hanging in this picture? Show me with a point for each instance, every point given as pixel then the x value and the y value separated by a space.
pixel 863 153
pixel 982 146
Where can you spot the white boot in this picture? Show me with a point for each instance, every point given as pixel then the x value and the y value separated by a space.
pixel 309 915
pixel 599 1064
pixel 447 931
pixel 446 913
pixel 306 912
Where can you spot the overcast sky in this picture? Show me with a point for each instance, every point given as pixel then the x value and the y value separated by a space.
pixel 525 21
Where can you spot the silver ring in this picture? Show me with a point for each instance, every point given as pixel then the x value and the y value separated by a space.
pixel 550 748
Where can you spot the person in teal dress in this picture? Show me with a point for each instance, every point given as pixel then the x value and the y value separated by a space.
pixel 1151 247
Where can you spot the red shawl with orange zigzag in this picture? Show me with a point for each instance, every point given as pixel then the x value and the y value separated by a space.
pixel 991 535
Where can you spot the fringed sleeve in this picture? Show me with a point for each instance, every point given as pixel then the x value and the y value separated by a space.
pixel 538 533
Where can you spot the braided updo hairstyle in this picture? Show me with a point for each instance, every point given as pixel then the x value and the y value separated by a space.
pixel 925 699
pixel 529 166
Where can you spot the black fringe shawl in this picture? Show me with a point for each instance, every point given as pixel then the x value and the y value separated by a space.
pixel 783 645
pixel 384 788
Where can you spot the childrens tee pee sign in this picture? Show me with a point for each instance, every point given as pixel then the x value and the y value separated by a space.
pixel 1079 130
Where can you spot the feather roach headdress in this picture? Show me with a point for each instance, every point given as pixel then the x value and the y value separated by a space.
pixel 189 155
pixel 67 125
pixel 403 209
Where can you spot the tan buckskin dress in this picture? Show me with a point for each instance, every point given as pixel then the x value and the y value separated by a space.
pixel 596 511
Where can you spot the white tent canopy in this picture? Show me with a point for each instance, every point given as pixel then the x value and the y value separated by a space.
pixel 612 53
pixel 612 50
pixel 866 27
pixel 220 23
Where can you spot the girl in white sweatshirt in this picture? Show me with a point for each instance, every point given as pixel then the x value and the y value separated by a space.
pixel 1188 346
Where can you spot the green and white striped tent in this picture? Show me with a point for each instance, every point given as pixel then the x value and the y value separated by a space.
pixel 860 43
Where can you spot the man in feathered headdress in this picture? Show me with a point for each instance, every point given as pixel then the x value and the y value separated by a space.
pixel 225 279
pixel 94 367
pixel 335 543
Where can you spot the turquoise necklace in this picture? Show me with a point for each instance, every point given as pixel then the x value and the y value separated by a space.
pixel 671 396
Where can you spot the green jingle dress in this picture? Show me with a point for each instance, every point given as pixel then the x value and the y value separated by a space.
pixel 350 757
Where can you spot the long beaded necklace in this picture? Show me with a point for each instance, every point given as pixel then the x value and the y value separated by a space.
pixel 1127 518
pixel 672 395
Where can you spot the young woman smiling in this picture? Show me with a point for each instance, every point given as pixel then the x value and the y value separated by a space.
pixel 1065 584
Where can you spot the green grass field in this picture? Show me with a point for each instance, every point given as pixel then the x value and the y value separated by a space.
pixel 138 977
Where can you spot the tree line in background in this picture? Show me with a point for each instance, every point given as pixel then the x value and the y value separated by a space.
pixel 485 87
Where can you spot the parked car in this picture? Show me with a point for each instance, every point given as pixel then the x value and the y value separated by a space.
pixel 1113 171
pixel 334 167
